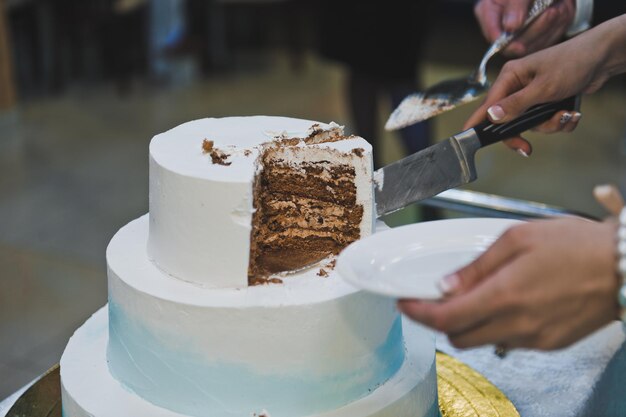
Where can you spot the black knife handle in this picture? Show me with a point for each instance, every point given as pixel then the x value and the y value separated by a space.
pixel 489 132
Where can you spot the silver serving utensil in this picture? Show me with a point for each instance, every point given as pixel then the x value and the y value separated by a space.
pixel 449 94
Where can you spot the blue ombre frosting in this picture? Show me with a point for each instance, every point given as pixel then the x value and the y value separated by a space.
pixel 89 390
pixel 185 382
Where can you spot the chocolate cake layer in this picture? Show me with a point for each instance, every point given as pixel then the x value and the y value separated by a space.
pixel 310 214
pixel 291 254
pixel 303 213
pixel 337 187
pixel 310 238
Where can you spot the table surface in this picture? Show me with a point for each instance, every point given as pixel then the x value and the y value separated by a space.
pixel 586 379
pixel 6 404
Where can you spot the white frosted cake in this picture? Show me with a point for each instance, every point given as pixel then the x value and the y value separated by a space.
pixel 223 300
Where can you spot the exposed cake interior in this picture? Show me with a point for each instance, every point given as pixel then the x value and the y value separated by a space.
pixel 305 201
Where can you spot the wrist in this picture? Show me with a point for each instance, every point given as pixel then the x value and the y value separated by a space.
pixel 612 41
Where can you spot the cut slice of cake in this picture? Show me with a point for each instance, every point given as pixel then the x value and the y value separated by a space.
pixel 312 198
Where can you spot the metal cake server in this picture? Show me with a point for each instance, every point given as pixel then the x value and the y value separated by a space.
pixel 449 94
pixel 450 163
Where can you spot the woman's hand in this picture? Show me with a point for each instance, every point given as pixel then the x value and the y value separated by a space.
pixel 542 285
pixel 498 16
pixel 581 64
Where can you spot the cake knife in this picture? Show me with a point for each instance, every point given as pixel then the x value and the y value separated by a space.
pixel 450 163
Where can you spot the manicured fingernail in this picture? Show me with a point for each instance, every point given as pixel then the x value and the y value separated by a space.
pixel 495 113
pixel 566 117
pixel 510 19
pixel 576 116
pixel 522 152
pixel 449 283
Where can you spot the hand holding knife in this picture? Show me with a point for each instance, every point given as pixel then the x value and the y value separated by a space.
pixel 450 163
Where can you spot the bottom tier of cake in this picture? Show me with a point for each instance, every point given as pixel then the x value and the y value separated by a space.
pixel 88 389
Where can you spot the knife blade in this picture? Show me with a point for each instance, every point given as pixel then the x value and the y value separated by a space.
pixel 450 163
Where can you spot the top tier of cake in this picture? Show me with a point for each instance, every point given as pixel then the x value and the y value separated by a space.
pixel 203 198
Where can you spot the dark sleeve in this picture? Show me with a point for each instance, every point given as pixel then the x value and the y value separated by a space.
pixel 604 10
pixel 383 39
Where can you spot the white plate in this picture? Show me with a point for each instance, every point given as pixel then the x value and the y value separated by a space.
pixel 408 261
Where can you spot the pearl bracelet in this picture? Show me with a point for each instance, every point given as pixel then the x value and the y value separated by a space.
pixel 621 264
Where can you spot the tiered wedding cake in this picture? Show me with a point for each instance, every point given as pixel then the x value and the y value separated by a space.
pixel 223 300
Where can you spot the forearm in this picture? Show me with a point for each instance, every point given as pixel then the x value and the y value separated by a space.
pixel 610 39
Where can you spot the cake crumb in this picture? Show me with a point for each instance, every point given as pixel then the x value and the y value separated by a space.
pixel 247 152
pixel 319 135
pixel 331 264
pixel 322 273
pixel 358 152
pixel 217 157
pixel 264 281
pixel 207 145
pixel 290 141
pixel 220 158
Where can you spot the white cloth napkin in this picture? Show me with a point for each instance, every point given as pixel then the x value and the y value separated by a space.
pixel 586 379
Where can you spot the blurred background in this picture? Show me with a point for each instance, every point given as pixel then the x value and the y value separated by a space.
pixel 85 84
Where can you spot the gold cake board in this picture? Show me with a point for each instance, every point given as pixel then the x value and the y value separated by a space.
pixel 463 392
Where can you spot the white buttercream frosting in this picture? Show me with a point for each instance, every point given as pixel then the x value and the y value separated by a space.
pixel 201 212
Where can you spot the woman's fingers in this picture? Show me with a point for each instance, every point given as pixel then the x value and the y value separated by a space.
pixel 545 31
pixel 514 14
pixel 515 104
pixel 520 145
pixel 500 330
pixel 456 314
pixel 453 315
pixel 573 123
pixel 511 325
pixel 532 292
pixel 489 262
pixel 507 84
pixel 515 90
pixel 489 15
pixel 488 297
pixel 562 121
